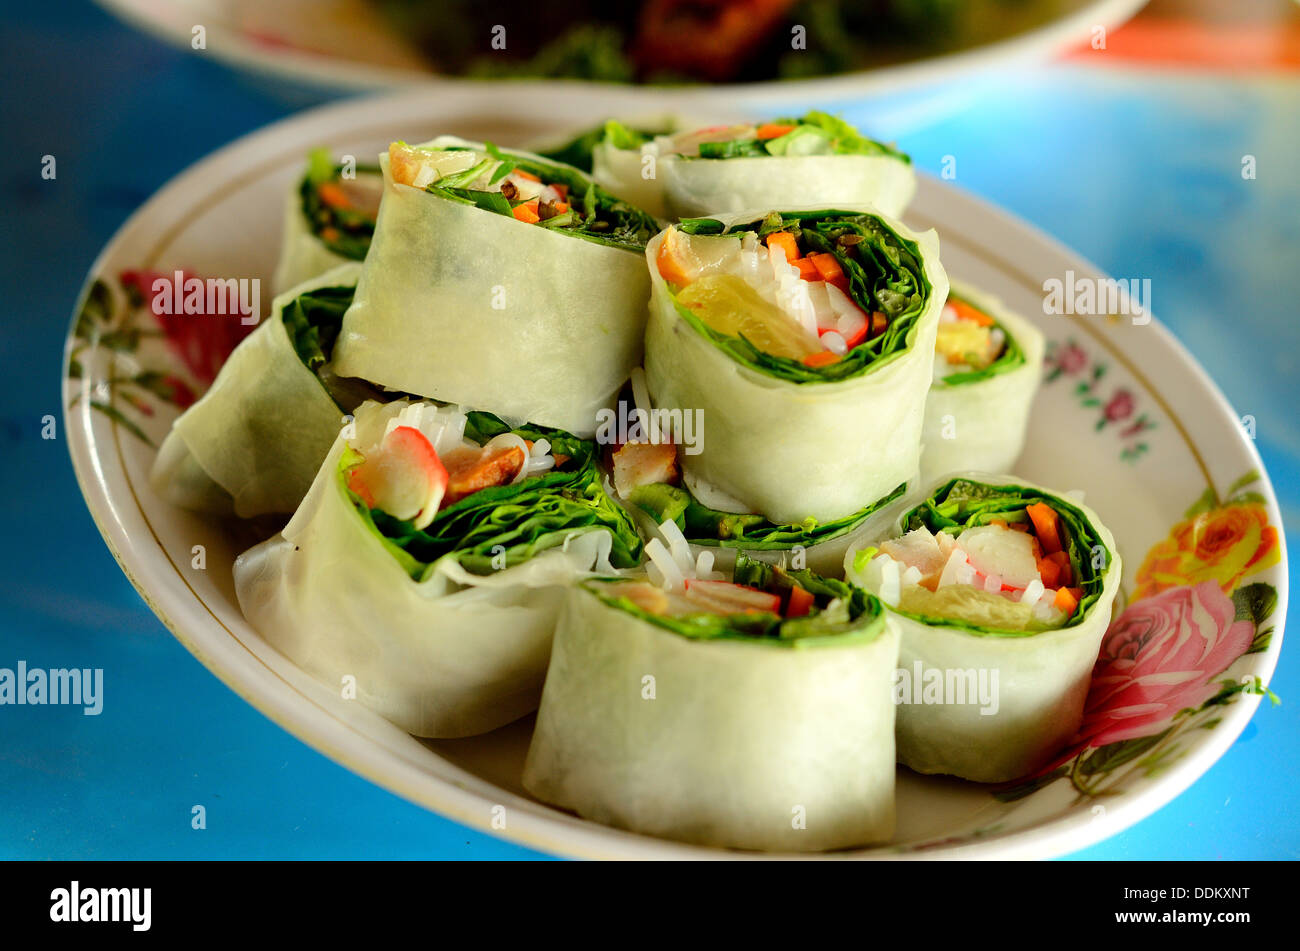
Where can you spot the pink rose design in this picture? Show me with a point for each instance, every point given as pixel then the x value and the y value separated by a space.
pixel 1161 656
pixel 1071 358
pixel 1119 407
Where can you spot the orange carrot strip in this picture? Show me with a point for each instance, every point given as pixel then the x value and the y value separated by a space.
pixel 1047 525
pixel 1062 561
pixel 966 312
pixel 1066 601
pixel 821 358
pixel 528 175
pixel 800 603
pixel 332 195
pixel 830 270
pixel 527 212
pixel 773 130
pixel 787 243
pixel 1049 572
pixel 807 270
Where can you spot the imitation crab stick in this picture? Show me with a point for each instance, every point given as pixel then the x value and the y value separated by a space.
pixel 1047 525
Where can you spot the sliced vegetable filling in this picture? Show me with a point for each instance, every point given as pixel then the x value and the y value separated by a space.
pixel 440 481
pixel 766 603
pixel 807 296
pixel 341 203
pixel 817 133
pixel 531 191
pixel 971 344
pixel 995 558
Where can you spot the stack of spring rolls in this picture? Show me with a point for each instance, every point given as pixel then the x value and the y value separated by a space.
pixel 689 446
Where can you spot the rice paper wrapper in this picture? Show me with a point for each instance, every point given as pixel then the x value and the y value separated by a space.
pixel 742 745
pixel 467 306
pixel 673 187
pixel 981 425
pixel 303 256
pixel 1042 679
pixel 253 443
pixel 794 451
pixel 454 655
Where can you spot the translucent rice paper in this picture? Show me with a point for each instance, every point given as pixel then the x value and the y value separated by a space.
pixel 793 451
pixel 471 307
pixel 303 256
pixel 689 188
pixel 454 655
pixel 1042 679
pixel 253 443
pixel 740 741
pixel 985 419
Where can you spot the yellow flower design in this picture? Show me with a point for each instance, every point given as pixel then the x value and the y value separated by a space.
pixel 1222 545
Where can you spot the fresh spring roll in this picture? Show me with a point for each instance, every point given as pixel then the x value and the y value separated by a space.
pixel 987 365
pixel 803 343
pixel 255 440
pixel 1002 592
pixel 428 562
pixel 502 281
pixel 579 150
pixel 329 219
pixel 752 715
pixel 816 160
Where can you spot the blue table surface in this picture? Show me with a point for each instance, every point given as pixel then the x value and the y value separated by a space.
pixel 1138 171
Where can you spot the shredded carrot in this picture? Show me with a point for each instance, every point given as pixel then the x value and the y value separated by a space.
pixel 1047 525
pixel 821 358
pixel 830 269
pixel 807 270
pixel 333 195
pixel 787 243
pixel 527 212
pixel 528 175
pixel 1066 601
pixel 1062 561
pixel 800 603
pixel 1049 573
pixel 773 130
pixel 330 234
pixel 966 312
pixel 879 323
pixel 561 207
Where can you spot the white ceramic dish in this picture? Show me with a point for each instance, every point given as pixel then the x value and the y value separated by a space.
pixel 344 44
pixel 1124 414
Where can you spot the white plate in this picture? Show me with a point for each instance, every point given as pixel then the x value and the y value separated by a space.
pixel 344 44
pixel 222 218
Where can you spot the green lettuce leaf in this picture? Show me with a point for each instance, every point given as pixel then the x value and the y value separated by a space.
pixel 841 613
pixel 706 526
pixel 350 230
pixel 594 214
pixel 817 133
